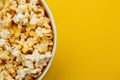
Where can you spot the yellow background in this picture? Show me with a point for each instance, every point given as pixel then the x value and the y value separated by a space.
pixel 88 40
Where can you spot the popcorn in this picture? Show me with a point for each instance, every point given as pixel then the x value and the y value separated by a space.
pixel 7 47
pixel 21 8
pixel 31 41
pixel 3 55
pixel 10 67
pixel 34 2
pixel 8 20
pixel 2 67
pixel 35 57
pixel 39 32
pixel 1 5
pixel 1 23
pixel 41 12
pixel 34 20
pixel 14 5
pixel 26 39
pixel 5 33
pixel 15 52
pixel 35 71
pixel 5 75
pixel 42 47
pixel 28 63
pixel 22 73
pixel 18 18
pixel 48 55
pixel 2 42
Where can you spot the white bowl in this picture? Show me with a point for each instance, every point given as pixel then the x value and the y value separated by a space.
pixel 55 38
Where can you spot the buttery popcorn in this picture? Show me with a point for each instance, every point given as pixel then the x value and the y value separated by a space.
pixel 26 39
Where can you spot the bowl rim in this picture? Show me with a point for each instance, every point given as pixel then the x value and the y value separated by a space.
pixel 47 9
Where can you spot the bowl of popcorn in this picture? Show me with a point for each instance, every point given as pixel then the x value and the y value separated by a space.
pixel 27 39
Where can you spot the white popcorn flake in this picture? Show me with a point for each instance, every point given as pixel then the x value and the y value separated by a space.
pixel 35 71
pixel 35 57
pixel 21 8
pixel 18 18
pixel 28 63
pixel 34 2
pixel 5 33
pixel 26 71
pixel 2 42
pixel 15 52
pixel 25 21
pixel 48 55
pixel 22 73
pixel 34 20
pixel 30 41
pixel 39 32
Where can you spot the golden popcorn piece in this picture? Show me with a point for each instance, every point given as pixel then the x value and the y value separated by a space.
pixel 2 67
pixel 12 39
pixel 32 33
pixel 20 67
pixel 9 66
pixel 4 55
pixel 17 31
pixel 5 75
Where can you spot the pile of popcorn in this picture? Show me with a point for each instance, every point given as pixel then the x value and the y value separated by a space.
pixel 26 39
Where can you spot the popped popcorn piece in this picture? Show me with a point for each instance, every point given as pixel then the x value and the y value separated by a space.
pixel 5 75
pixel 4 55
pixel 48 55
pixel 15 52
pixel 34 20
pixel 42 47
pixel 9 66
pixel 33 2
pixel 17 31
pixel 35 71
pixel 18 18
pixel 21 8
pixel 1 22
pixel 22 73
pixel 7 20
pixel 31 41
pixel 41 12
pixel 23 36
pixel 35 57
pixel 2 67
pixel 1 5
pixel 32 33
pixel 13 5
pixel 5 34
pixel 12 39
pixel 39 32
pixel 2 42
pixel 28 63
